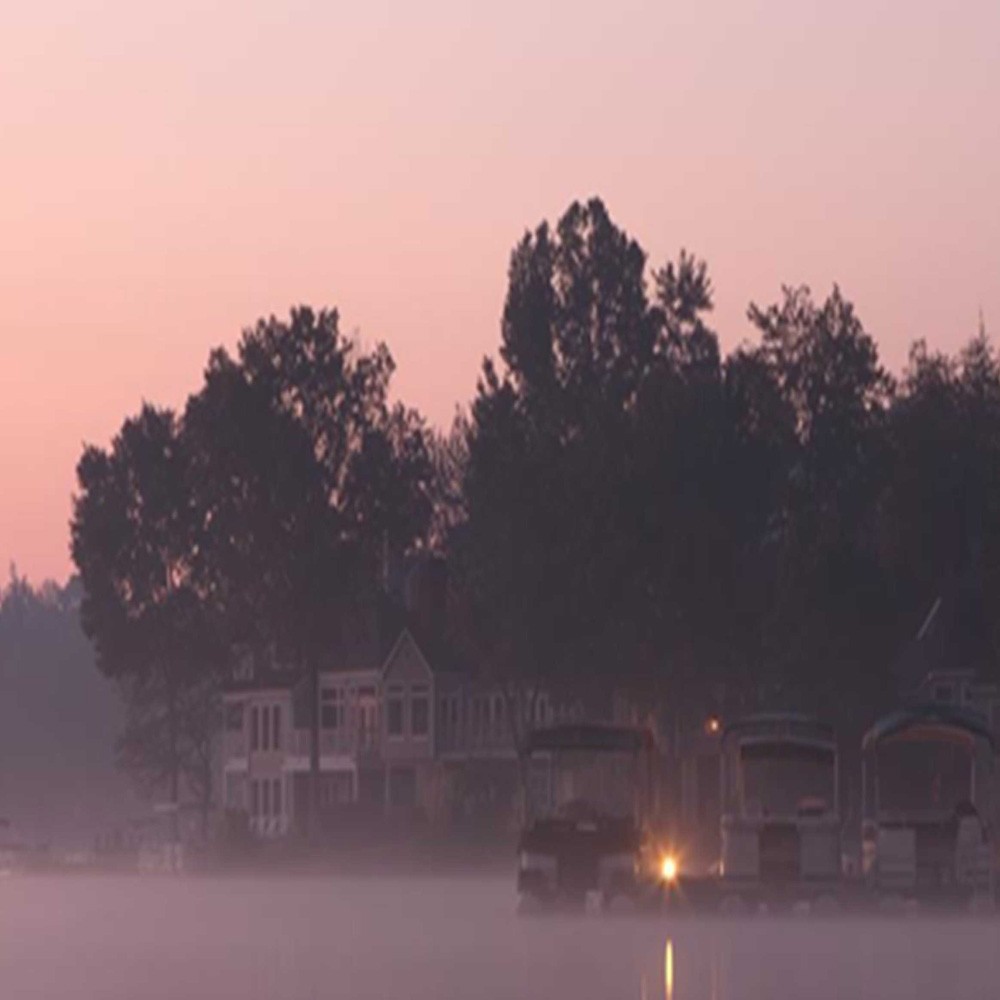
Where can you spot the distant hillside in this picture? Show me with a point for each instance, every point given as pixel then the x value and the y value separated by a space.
pixel 58 722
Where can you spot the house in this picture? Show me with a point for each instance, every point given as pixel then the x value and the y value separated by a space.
pixel 256 743
pixel 406 727
pixel 448 740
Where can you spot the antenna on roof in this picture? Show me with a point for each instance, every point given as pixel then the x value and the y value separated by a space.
pixel 929 620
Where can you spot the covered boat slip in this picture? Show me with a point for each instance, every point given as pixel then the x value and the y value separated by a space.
pixel 780 823
pixel 589 817
pixel 778 765
pixel 582 772
pixel 926 762
pixel 929 790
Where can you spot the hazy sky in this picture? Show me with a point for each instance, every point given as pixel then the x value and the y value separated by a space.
pixel 170 171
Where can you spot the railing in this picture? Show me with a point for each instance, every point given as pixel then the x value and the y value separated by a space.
pixel 269 826
pixel 367 742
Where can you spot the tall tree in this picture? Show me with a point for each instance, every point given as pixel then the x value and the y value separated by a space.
pixel 579 452
pixel 825 629
pixel 308 482
pixel 449 459
pixel 133 541
pixel 940 511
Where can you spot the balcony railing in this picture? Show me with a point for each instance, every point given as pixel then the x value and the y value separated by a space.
pixel 269 826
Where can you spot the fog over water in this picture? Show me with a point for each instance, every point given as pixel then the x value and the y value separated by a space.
pixel 307 938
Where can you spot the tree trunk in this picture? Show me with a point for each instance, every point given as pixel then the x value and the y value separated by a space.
pixel 312 812
pixel 175 775
pixel 206 794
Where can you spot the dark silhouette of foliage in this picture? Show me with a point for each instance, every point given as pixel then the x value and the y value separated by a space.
pixel 134 541
pixel 58 719
pixel 307 482
pixel 624 507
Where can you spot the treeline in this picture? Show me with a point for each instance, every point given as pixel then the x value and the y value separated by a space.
pixel 621 505
pixel 58 721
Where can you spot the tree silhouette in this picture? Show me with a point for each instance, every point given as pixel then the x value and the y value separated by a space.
pixel 133 540
pixel 306 482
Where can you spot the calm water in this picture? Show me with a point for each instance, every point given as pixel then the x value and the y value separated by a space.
pixel 292 939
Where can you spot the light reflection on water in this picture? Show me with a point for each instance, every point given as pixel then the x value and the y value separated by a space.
pixel 847 959
pixel 434 939
pixel 668 969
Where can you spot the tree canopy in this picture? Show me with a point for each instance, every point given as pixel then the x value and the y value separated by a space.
pixel 623 504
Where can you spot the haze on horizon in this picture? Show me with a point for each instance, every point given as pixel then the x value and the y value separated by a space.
pixel 171 174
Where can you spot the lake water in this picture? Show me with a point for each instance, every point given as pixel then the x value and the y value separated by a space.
pixel 194 938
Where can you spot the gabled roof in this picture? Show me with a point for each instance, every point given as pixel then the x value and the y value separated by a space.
pixel 437 656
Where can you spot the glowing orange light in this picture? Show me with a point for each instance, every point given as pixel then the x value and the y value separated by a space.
pixel 712 725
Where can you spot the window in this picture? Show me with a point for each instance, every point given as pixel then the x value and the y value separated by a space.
pixel 420 709
pixel 331 708
pixel 234 717
pixel 367 718
pixel 265 728
pixel 254 729
pixel 265 805
pixel 276 726
pixel 498 713
pixel 254 798
pixel 276 797
pixel 394 711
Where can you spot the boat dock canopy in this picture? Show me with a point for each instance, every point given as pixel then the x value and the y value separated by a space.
pixel 928 717
pixel 590 737
pixel 777 727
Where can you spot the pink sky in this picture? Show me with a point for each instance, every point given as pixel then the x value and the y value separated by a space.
pixel 171 171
